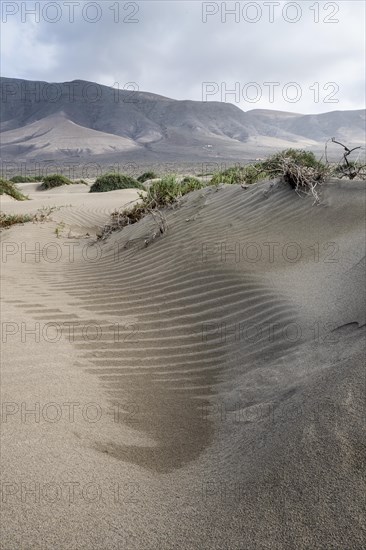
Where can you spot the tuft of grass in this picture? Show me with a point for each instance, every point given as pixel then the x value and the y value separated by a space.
pixel 147 176
pixel 111 182
pixel 59 228
pixel 54 180
pixel 250 173
pixel 163 192
pixel 81 182
pixel 190 183
pixel 230 176
pixel 7 220
pixel 42 215
pixel 25 179
pixel 10 189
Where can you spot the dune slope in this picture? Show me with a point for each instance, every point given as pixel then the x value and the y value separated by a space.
pixel 232 348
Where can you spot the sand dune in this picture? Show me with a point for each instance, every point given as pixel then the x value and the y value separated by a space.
pixel 232 348
pixel 56 135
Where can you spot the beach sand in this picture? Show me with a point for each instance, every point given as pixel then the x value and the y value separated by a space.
pixel 204 391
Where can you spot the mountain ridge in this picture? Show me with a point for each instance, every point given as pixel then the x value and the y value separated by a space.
pixel 126 122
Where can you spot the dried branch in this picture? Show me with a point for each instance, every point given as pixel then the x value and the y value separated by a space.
pixel 349 170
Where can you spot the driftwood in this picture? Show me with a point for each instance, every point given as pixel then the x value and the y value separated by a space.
pixel 349 170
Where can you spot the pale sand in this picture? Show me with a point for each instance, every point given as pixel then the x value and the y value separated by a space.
pixel 282 468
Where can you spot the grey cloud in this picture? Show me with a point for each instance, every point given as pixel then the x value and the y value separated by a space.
pixel 170 51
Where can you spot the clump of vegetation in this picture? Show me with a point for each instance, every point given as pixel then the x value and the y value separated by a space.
pixel 25 179
pixel 147 176
pixel 111 182
pixel 348 168
pixel 59 228
pixel 351 170
pixel 231 175
pixel 190 183
pixel 81 182
pixel 301 157
pixel 247 174
pixel 162 193
pixel 42 215
pixel 10 189
pixel 7 220
pixel 54 180
pixel 299 168
pixel 254 173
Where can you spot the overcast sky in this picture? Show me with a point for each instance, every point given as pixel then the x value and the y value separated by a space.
pixel 295 56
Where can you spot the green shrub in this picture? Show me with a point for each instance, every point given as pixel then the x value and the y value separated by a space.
pixel 54 180
pixel 190 183
pixel 26 179
pixel 147 176
pixel 7 220
pixel 250 173
pixel 231 175
pixel 298 156
pixel 10 189
pixel 168 190
pixel 190 179
pixel 111 182
pixel 254 173
pixel 299 168
pixel 163 192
